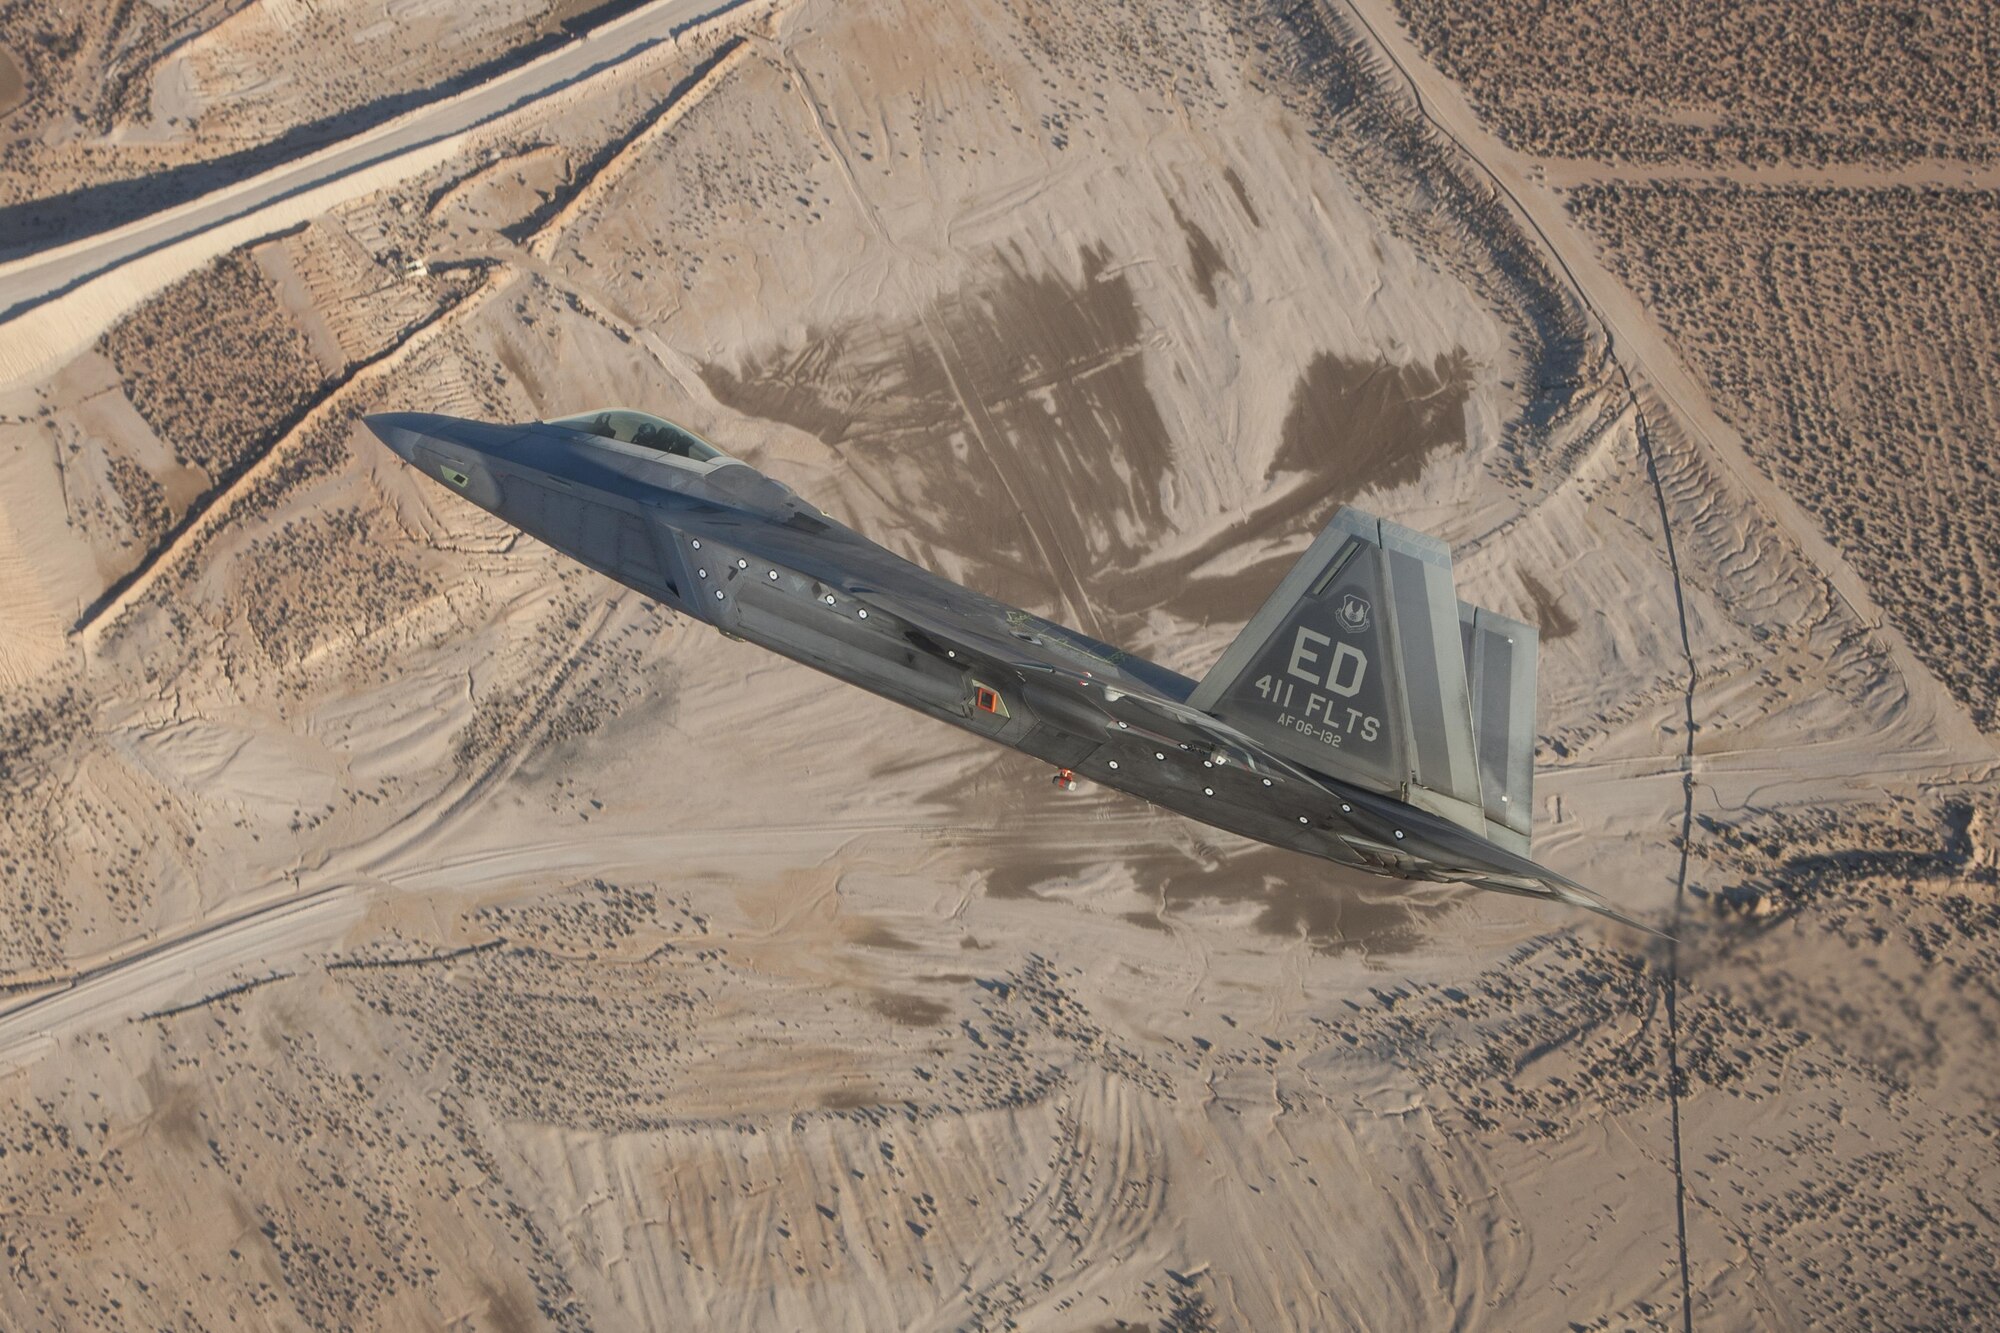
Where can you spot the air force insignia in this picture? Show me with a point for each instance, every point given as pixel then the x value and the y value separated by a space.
pixel 1354 614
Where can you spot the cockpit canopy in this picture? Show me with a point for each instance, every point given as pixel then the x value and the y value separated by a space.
pixel 645 430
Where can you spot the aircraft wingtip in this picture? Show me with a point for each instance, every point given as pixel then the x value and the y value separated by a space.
pixel 1546 883
pixel 1564 889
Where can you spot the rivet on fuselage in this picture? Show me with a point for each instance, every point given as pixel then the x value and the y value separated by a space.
pixel 774 576
pixel 702 572
pixel 1158 755
pixel 829 599
pixel 718 594
pixel 697 543
pixel 1208 791
pixel 1399 835
pixel 1267 782
pixel 1113 763
pixel 743 564
pixel 1304 820
pixel 1346 809
pixel 863 613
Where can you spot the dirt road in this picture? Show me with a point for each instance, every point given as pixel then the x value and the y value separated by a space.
pixel 54 302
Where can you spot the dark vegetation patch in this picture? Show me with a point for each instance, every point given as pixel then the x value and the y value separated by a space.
pixel 215 364
pixel 342 558
pixel 1850 337
pixel 1782 81
pixel 147 516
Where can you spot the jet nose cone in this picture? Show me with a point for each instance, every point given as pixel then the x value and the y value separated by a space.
pixel 401 431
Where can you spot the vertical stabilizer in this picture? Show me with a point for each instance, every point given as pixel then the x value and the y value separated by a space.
pixel 1355 667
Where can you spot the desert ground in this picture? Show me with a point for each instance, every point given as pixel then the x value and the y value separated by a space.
pixel 404 927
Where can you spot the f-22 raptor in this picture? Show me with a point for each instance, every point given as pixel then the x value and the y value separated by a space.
pixel 1364 715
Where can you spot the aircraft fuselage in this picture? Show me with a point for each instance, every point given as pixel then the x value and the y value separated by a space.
pixel 717 540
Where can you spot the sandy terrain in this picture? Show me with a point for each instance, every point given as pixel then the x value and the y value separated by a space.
pixel 401 927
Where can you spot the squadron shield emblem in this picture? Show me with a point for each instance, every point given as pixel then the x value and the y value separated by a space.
pixel 1353 614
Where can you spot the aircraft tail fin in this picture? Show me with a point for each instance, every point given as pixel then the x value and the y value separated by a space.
pixel 1355 667
pixel 1500 676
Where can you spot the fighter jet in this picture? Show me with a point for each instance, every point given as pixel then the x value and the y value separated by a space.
pixel 1364 715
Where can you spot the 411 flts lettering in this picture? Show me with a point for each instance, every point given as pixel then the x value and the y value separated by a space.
pixel 1340 673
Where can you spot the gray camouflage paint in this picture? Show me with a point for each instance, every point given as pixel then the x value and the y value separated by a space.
pixel 1416 760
